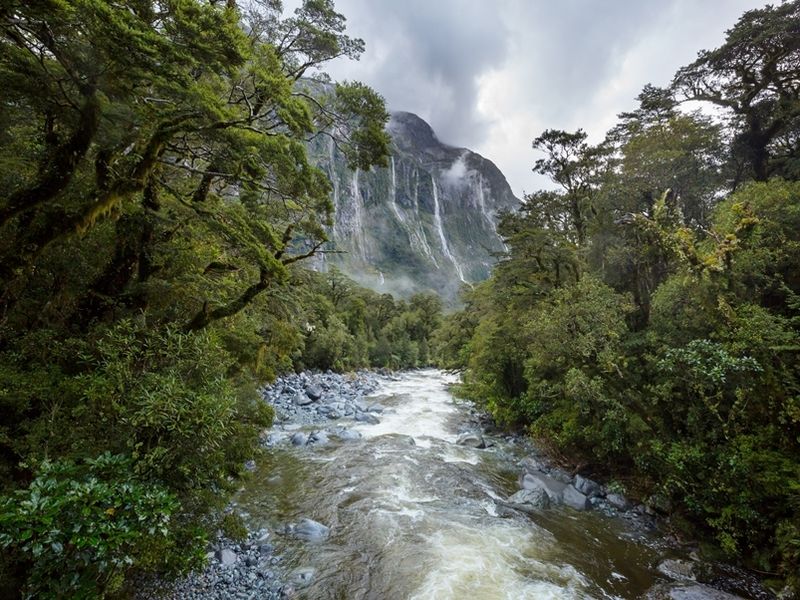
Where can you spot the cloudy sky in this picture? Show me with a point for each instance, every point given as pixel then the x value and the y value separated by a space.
pixel 490 75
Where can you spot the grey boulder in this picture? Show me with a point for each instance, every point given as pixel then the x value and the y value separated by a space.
pixel 530 500
pixel 471 440
pixel 539 481
pixel 574 499
pixel 299 439
pixel 311 531
pixel 301 399
pixel 586 486
pixel 618 501
pixel 226 557
pixel 314 391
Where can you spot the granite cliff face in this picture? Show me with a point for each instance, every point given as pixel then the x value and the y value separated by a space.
pixel 427 222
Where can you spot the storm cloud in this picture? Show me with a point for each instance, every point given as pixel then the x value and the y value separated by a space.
pixel 491 76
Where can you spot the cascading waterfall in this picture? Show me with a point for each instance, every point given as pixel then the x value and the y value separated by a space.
pixel 416 235
pixel 335 182
pixel 437 221
pixel 358 223
pixel 485 213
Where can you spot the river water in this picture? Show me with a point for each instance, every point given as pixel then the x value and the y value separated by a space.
pixel 413 516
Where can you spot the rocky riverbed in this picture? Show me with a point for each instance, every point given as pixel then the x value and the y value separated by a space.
pixel 382 486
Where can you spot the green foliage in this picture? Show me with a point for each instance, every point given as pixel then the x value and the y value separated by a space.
pixel 348 327
pixel 156 198
pixel 647 318
pixel 81 526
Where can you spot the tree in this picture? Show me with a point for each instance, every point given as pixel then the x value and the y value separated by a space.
pixel 141 112
pixel 577 167
pixel 754 75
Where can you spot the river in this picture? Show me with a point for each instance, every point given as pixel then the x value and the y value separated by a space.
pixel 413 515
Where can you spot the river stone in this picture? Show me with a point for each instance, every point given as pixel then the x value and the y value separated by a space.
pixel 560 475
pixel 686 591
pixel 311 531
pixel 532 464
pixel 375 408
pixel 303 576
pixel 680 570
pixel 586 486
pixel 573 498
pixel 471 440
pixel 618 501
pixel 302 399
pixel 347 435
pixel 299 439
pixel 319 438
pixel 553 488
pixel 314 391
pixel 367 418
pixel 530 500
pixel 226 557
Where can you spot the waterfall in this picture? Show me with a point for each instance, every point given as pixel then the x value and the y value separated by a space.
pixel 393 194
pixel 437 221
pixel 416 235
pixel 358 223
pixel 381 278
pixel 335 182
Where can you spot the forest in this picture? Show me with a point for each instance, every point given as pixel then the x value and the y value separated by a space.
pixel 645 322
pixel 158 218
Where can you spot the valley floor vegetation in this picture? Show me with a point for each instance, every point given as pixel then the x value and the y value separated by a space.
pixel 645 322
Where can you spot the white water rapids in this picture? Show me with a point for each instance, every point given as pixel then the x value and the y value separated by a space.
pixel 413 515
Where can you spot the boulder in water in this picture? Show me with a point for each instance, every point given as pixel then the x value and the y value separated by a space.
pixel 540 481
pixel 299 439
pixel 530 500
pixel 310 531
pixel 366 417
pixel 471 440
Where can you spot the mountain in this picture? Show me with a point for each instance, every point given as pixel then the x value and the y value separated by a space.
pixel 427 222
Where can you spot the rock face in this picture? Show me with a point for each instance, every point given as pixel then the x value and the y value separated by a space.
pixel 427 221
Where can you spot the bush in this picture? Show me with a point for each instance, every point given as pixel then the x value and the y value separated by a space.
pixel 80 526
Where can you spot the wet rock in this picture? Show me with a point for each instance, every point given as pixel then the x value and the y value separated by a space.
pixel 319 438
pixel 618 501
pixel 540 481
pixel 367 418
pixel 310 531
pixel 375 408
pixel 226 557
pixel 303 576
pixel 560 475
pixel 687 591
pixel 574 499
pixel 471 440
pixel 346 435
pixel 586 486
pixel 530 500
pixel 680 570
pixel 299 439
pixel 532 464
